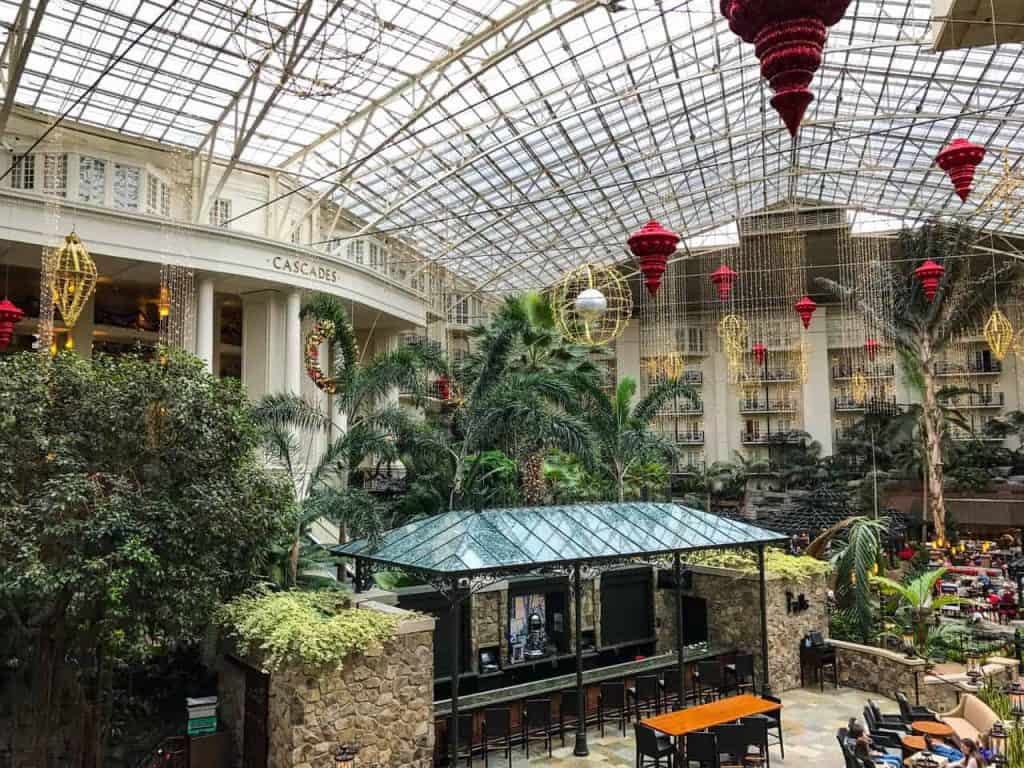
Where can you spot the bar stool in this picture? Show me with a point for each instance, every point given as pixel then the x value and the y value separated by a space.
pixel 646 694
pixel 465 748
pixel 670 691
pixel 537 724
pixel 709 681
pixel 612 700
pixel 567 711
pixel 742 672
pixel 497 733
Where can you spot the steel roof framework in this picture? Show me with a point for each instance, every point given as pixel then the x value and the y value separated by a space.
pixel 511 140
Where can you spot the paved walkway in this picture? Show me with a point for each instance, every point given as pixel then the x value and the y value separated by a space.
pixel 809 722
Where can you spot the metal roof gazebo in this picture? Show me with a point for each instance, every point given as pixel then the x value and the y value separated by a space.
pixel 461 551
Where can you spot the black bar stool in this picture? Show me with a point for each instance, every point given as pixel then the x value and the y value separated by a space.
pixel 497 733
pixel 612 701
pixel 646 695
pixel 709 681
pixel 742 672
pixel 537 724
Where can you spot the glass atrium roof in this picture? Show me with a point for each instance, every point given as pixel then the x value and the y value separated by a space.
pixel 465 541
pixel 509 140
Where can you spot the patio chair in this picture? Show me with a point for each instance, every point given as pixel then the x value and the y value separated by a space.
pixel 884 737
pixel 773 722
pixel 742 672
pixel 757 735
pixel 892 721
pixel 701 747
pixel 646 696
pixel 537 724
pixel 911 713
pixel 734 744
pixel 497 733
pixel 652 745
pixel 612 701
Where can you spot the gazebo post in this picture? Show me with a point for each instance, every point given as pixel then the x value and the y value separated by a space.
pixel 455 599
pixel 581 749
pixel 680 629
pixel 766 688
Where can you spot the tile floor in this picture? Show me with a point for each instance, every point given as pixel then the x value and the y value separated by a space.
pixel 809 721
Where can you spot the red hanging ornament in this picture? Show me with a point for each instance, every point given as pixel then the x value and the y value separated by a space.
pixel 9 315
pixel 789 38
pixel 871 347
pixel 959 160
pixel 805 308
pixel 929 274
pixel 652 246
pixel 723 278
pixel 444 388
pixel 759 350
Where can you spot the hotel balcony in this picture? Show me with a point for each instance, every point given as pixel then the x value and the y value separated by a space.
pixel 979 400
pixel 694 437
pixel 767 438
pixel 881 371
pixel 682 408
pixel 770 406
pixel 946 368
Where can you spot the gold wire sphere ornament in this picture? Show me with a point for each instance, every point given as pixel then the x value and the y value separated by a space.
pixel 74 278
pixel 998 333
pixel 581 317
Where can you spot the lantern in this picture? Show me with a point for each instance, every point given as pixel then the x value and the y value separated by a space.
pixel 998 333
pixel 9 316
pixel 652 245
pixel 959 160
pixel 591 304
pixel 723 278
pixel 998 742
pixel 788 37
pixel 163 304
pixel 805 308
pixel 974 671
pixel 871 347
pixel 759 350
pixel 74 278
pixel 929 274
pixel 345 756
pixel 1016 693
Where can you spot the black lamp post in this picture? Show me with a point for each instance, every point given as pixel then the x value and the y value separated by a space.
pixel 345 755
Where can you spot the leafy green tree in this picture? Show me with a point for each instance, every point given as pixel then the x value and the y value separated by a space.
pixel 132 504
pixel 917 601
pixel 621 430
pixel 921 330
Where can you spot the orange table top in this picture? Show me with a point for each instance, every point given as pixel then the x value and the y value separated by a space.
pixel 706 715
pixel 931 728
pixel 913 743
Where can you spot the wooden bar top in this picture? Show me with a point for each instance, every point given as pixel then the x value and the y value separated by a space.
pixel 692 719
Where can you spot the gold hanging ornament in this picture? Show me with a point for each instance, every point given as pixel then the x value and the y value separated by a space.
pixel 732 330
pixel 859 387
pixel 998 333
pixel 592 305
pixel 665 367
pixel 74 278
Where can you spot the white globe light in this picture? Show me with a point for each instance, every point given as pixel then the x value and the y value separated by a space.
pixel 591 304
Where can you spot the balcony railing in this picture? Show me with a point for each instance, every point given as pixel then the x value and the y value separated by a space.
pixel 693 377
pixel 770 406
pixel 688 467
pixel 962 435
pixel 766 438
pixel 682 408
pixel 772 374
pixel 413 340
pixel 840 372
pixel 979 400
pixel 946 368
pixel 695 437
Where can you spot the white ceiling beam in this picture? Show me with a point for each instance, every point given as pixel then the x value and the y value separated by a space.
pixel 16 50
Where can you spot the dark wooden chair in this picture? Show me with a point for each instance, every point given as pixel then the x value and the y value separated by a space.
pixel 537 724
pixel 733 745
pixel 756 729
pixel 701 747
pixel 773 722
pixel 497 734
pixel 652 746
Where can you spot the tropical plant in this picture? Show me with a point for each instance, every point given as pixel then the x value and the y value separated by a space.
pixel 621 430
pixel 922 330
pixel 855 561
pixel 569 481
pixel 917 602
pixel 133 505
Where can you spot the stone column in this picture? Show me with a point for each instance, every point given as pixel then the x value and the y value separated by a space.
pixel 204 321
pixel 293 343
pixel 263 325
pixel 81 334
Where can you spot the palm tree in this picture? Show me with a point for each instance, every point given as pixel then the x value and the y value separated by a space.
pixel 854 562
pixel 922 330
pixel 622 431
pixel 326 481
pixel 918 602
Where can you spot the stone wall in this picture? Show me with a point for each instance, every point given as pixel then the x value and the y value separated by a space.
pixel 733 602
pixel 381 700
pixel 878 670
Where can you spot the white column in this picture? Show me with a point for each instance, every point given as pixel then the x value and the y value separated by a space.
pixel 262 343
pixel 81 334
pixel 204 322
pixel 293 344
pixel 817 410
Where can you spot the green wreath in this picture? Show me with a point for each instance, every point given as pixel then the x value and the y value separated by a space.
pixel 332 326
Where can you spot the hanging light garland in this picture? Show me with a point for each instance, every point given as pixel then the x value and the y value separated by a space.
pixel 74 278
pixel 789 40
pixel 959 160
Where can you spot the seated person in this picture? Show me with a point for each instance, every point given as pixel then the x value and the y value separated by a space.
pixel 942 750
pixel 972 756
pixel 863 750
